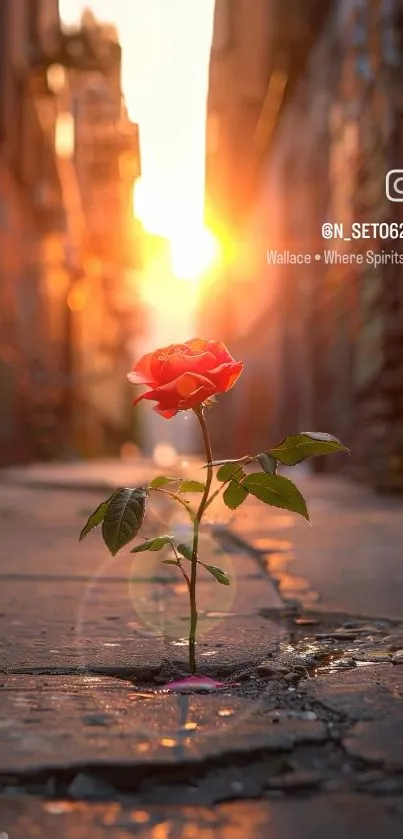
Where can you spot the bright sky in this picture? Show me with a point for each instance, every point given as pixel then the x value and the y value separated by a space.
pixel 166 46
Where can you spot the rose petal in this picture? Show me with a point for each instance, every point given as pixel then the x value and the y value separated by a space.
pixel 197 397
pixel 142 373
pixel 140 379
pixel 197 345
pixel 225 376
pixel 182 376
pixel 174 395
pixel 177 364
pixel 216 348
pixel 163 413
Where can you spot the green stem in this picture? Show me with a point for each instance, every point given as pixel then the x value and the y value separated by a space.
pixel 196 526
pixel 178 559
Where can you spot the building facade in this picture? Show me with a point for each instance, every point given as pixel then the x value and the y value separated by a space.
pixel 68 161
pixel 104 301
pixel 27 179
pixel 322 342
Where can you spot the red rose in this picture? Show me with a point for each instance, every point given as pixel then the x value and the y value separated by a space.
pixel 182 376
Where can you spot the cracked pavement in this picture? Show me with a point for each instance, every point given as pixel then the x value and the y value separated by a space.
pixel 309 739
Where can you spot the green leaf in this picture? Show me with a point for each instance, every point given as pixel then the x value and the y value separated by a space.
pixel 297 447
pixel 276 491
pixel 153 544
pixel 234 495
pixel 192 486
pixel 167 562
pixel 229 470
pixel 267 462
pixel 221 576
pixel 161 481
pixel 96 517
pixel 124 517
pixel 185 551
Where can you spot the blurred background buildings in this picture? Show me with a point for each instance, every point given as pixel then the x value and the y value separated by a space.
pixel 69 246
pixel 305 117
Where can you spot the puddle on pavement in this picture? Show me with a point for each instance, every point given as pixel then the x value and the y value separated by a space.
pixel 345 647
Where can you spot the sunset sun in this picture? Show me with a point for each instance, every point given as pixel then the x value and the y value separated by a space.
pixel 193 253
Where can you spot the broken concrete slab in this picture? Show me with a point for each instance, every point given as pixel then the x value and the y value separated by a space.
pixel 45 723
pixel 365 693
pixel 53 628
pixel 379 742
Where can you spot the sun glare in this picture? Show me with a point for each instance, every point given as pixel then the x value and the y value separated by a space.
pixel 193 253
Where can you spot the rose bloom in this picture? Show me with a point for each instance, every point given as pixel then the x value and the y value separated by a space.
pixel 182 376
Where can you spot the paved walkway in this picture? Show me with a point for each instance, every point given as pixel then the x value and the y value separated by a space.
pixel 311 632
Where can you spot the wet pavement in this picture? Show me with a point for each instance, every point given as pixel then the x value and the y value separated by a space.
pixel 306 738
pixel 358 816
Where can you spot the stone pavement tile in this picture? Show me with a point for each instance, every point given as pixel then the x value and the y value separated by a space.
pixel 39 538
pixel 324 817
pixel 60 722
pixel 379 742
pixel 365 693
pixel 111 626
pixel 66 604
pixel 50 548
pixel 349 561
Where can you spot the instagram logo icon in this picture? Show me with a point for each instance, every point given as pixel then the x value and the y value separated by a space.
pixel 394 185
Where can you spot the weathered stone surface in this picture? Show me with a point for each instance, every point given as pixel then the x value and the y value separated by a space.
pixel 43 724
pixel 365 693
pixel 70 605
pixel 330 816
pixel 58 625
pixel 378 742
pixel 272 669
pixel 349 561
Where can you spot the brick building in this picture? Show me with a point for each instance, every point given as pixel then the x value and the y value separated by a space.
pixel 323 344
pixel 67 236
pixel 27 178
pixel 105 306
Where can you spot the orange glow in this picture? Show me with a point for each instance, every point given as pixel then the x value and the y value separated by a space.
pixel 64 135
pixel 77 299
pixel 165 62
pixel 193 253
